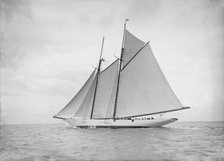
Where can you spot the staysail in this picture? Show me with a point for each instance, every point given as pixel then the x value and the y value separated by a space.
pixel 143 87
pixel 105 96
pixel 71 108
pixel 131 46
pixel 86 106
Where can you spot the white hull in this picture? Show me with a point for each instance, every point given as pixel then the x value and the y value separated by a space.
pixel 100 123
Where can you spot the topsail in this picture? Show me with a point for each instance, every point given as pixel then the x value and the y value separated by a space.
pixel 131 46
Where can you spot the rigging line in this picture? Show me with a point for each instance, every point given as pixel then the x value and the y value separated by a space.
pixel 154 113
pixel 57 117
pixel 105 61
pixel 97 77
pixel 108 66
pixel 134 56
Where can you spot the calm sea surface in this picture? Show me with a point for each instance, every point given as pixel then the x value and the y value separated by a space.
pixel 178 141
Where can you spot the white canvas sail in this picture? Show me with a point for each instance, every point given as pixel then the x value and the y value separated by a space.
pixel 143 87
pixel 133 86
pixel 131 46
pixel 84 110
pixel 71 108
pixel 105 96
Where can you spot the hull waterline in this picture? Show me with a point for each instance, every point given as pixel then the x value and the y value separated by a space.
pixel 91 123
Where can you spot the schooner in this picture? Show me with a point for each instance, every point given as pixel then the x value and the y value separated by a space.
pixel 130 92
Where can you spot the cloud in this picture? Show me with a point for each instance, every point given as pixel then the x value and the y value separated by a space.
pixel 15 9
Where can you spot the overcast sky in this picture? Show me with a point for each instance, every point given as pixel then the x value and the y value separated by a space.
pixel 49 47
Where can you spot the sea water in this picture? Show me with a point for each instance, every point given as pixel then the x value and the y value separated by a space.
pixel 57 142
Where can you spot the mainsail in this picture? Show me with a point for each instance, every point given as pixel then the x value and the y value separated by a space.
pixel 71 108
pixel 131 46
pixel 143 87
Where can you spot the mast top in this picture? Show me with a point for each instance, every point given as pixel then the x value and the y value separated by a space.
pixel 101 51
pixel 124 33
pixel 126 20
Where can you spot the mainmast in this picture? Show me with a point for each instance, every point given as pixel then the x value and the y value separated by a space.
pixel 97 77
pixel 119 73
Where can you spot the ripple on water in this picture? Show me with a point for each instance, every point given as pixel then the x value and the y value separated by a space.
pixel 179 141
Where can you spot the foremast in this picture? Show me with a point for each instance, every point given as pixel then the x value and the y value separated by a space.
pixel 119 72
pixel 97 78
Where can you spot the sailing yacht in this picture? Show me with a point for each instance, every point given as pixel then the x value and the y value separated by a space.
pixel 132 92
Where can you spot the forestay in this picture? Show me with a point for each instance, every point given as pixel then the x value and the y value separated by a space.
pixel 131 45
pixel 71 108
pixel 143 87
pixel 106 90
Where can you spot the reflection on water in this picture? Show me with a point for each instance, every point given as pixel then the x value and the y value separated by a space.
pixel 178 141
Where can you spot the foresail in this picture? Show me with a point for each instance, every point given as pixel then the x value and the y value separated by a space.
pixel 131 45
pixel 71 108
pixel 106 90
pixel 143 87
pixel 84 110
